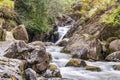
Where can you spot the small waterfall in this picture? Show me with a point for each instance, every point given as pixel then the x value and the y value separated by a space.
pixel 62 32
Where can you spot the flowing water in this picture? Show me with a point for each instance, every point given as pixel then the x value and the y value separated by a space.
pixel 79 73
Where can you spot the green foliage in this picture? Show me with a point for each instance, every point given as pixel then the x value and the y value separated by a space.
pixel 33 13
pixel 7 8
pixel 114 18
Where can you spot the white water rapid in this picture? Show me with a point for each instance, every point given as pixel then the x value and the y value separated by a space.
pixel 62 31
pixel 79 73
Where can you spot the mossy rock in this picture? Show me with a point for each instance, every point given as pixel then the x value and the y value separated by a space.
pixel 2 34
pixel 58 74
pixel 65 51
pixel 76 63
pixel 111 39
pixel 93 68
pixel 52 67
pixel 116 67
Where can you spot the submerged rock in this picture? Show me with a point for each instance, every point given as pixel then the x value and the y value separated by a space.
pixel 93 68
pixel 76 63
pixel 115 56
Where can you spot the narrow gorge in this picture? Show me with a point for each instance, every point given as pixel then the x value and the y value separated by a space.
pixel 59 40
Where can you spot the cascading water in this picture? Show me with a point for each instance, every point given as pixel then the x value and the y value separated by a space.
pixel 62 31
pixel 79 73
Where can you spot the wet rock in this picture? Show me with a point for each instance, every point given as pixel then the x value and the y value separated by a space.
pixel 2 34
pixel 64 20
pixel 10 69
pixel 20 33
pixel 116 67
pixel 93 68
pixel 34 53
pixel 63 42
pixel 76 63
pixel 30 74
pixel 115 56
pixel 115 45
pixel 57 79
pixel 37 43
pixel 52 71
pixel 49 44
pixel 84 46
pixel 52 67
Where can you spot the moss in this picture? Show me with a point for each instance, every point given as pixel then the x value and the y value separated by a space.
pixel 65 51
pixel 6 12
pixel 111 39
pixel 76 63
pixel 5 76
pixel 52 67
pixel 114 18
pixel 93 68
pixel 117 33
pixel 13 78
pixel 2 60
pixel 58 74
pixel 23 75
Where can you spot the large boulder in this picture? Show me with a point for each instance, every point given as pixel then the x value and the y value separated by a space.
pixel 115 56
pixel 84 46
pixel 115 45
pixel 20 33
pixel 10 69
pixel 34 53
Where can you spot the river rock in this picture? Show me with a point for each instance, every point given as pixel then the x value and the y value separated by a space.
pixel 64 20
pixel 10 69
pixel 20 33
pixel 115 45
pixel 63 42
pixel 52 71
pixel 49 44
pixel 115 56
pixel 76 63
pixel 93 68
pixel 30 74
pixel 116 67
pixel 85 46
pixel 2 34
pixel 35 54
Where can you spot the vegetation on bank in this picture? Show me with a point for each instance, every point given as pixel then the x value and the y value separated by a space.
pixel 39 15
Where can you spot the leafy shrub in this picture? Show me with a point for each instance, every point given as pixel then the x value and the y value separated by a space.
pixel 114 18
pixel 7 9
